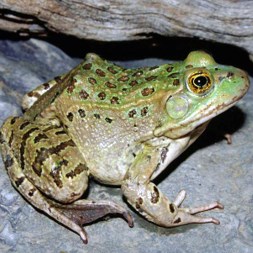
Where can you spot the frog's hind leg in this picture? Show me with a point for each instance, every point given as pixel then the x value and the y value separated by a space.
pixel 31 97
pixel 34 181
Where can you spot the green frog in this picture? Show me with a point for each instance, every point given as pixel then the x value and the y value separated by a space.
pixel 122 127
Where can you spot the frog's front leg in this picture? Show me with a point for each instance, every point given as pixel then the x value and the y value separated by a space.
pixel 149 201
pixel 46 167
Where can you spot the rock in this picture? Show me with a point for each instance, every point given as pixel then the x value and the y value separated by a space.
pixel 209 170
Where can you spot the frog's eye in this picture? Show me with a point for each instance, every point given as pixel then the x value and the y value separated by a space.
pixel 199 83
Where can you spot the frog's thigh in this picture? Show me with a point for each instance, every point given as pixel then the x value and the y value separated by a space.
pixel 54 164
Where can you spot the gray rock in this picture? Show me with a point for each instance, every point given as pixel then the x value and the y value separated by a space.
pixel 209 170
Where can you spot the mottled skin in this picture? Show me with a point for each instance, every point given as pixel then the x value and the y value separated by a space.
pixel 123 127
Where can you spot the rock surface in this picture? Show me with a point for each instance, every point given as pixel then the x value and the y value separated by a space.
pixel 225 21
pixel 209 170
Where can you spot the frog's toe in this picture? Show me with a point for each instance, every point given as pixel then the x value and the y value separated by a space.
pixel 204 208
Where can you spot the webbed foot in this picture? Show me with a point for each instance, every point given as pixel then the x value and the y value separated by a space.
pixel 82 212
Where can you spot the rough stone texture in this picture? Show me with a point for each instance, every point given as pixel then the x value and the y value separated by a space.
pixel 222 21
pixel 209 170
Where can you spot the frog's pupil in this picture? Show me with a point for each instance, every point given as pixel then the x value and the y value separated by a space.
pixel 200 81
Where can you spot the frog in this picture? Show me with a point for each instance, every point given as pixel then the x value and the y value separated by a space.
pixel 122 127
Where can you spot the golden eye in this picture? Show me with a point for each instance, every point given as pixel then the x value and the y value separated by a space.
pixel 199 83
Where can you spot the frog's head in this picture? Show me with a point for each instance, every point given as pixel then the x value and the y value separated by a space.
pixel 206 90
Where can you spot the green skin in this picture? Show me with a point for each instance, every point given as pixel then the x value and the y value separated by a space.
pixel 123 127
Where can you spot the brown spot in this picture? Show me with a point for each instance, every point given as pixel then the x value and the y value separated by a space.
pixel 102 95
pixel 138 203
pixel 71 87
pixel 13 120
pixel 81 113
pixel 173 75
pixel 178 220
pixel 230 74
pixel 87 66
pixel 78 170
pixel 110 85
pixel 164 154
pixel 124 89
pixel 155 195
pixel 133 83
pixel 176 82
pixel 70 116
pixel 189 66
pixel 172 208
pixel 58 79
pixel 112 70
pixel 31 192
pixel 19 181
pixel 96 115
pixel 144 111
pixel 147 91
pixel 46 86
pixel 60 132
pixel 114 100
pixel 138 73
pixel 100 72
pixel 108 120
pixel 33 94
pixel 150 78
pixel 83 94
pixel 170 68
pixel 8 162
pixel 123 79
pixel 132 113
pixel 92 80
pixel 40 137
pixel 23 125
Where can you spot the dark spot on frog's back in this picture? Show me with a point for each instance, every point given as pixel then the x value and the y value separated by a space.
pixel 71 87
pixel 133 83
pixel 40 137
pixel 147 91
pixel 112 70
pixel 92 80
pixel 170 68
pixel 83 94
pixel 173 75
pixel 102 95
pixel 138 203
pixel 114 100
pixel 100 72
pixel 150 78
pixel 123 79
pixel 87 66
pixel 138 73
pixel 110 85
pixel 176 82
